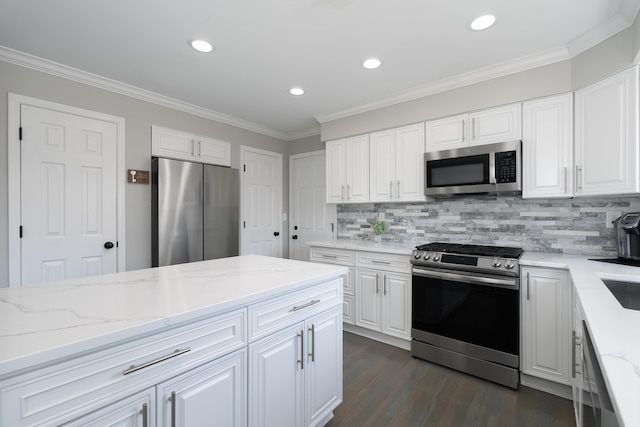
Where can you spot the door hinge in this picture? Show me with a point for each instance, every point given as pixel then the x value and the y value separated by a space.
pixel 21 232
pixel 20 133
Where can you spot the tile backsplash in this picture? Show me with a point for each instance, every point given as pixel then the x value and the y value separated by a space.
pixel 571 226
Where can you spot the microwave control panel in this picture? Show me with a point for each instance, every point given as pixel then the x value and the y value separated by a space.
pixel 506 167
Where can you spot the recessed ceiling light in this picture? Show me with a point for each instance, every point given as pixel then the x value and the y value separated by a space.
pixel 483 22
pixel 296 91
pixel 371 63
pixel 202 46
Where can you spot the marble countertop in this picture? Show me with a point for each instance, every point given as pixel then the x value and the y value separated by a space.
pixel 45 322
pixel 615 330
pixel 364 245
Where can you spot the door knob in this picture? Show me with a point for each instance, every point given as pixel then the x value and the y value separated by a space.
pixel 294 237
pixel 108 245
pixel 276 233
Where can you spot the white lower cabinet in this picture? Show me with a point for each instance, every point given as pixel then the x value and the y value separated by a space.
pixel 215 391
pixel 295 375
pixel 383 302
pixel 546 301
pixel 340 257
pixel 136 410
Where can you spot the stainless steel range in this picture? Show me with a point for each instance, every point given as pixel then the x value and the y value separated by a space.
pixel 466 309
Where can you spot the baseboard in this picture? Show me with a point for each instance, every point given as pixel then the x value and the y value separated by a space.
pixel 378 336
pixel 551 387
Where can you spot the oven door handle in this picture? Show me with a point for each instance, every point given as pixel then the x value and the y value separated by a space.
pixel 456 277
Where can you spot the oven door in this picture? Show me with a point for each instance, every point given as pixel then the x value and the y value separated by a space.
pixel 470 313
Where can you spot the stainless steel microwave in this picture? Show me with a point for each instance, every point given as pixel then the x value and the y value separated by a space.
pixel 479 170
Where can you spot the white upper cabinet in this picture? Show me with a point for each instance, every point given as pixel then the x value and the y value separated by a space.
pixel 186 146
pixel 397 165
pixel 348 170
pixel 477 128
pixel 547 146
pixel 606 127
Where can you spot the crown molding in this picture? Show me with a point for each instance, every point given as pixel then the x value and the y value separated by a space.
pixel 598 34
pixel 43 65
pixel 477 76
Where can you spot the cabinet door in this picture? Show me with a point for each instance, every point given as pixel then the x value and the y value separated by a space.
pixel 215 391
pixel 496 125
pixel 547 146
pixel 323 368
pixel 336 171
pixel 276 382
pixel 606 121
pixel 546 324
pixel 368 301
pixel 134 411
pixel 213 151
pixel 447 133
pixel 172 144
pixel 358 169
pixel 382 176
pixel 397 305
pixel 409 157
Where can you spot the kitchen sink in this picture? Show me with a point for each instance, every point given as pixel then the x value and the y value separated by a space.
pixel 627 293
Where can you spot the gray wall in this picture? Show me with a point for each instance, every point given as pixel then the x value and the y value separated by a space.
pixel 139 116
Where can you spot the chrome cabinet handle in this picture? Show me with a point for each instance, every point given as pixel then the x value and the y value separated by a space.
pixel 398 190
pixel 564 179
pixel 145 415
pixel 375 261
pixel 348 191
pixel 384 282
pixel 199 148
pixel 193 147
pixel 342 191
pixel 377 283
pixel 473 129
pixel 527 285
pixel 463 130
pixel 300 307
pixel 578 178
pixel 176 353
pixel 330 256
pixel 312 329
pixel 173 408
pixel 391 189
pixel 301 360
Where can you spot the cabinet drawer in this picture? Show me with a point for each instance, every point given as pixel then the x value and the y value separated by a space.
pixel 279 312
pixel 332 256
pixel 387 262
pixel 73 388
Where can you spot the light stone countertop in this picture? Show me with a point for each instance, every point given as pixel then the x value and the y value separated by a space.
pixel 41 323
pixel 615 330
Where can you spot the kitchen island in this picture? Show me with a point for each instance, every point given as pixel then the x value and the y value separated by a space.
pixel 139 344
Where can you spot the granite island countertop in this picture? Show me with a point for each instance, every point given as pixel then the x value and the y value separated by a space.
pixel 43 323
pixel 615 330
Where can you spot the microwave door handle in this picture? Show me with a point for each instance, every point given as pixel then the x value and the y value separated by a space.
pixel 492 168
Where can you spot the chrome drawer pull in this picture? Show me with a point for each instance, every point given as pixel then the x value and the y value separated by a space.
pixel 145 415
pixel 300 307
pixel 374 261
pixel 134 368
pixel 330 256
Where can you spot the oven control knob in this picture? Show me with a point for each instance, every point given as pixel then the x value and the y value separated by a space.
pixel 417 255
pixel 426 257
pixel 509 265
pixel 436 257
pixel 496 263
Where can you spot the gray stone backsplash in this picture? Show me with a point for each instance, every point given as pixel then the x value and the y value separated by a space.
pixel 571 226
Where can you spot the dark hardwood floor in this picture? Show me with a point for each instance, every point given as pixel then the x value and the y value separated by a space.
pixel 385 386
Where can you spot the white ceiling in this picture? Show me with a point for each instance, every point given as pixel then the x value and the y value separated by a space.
pixel 265 47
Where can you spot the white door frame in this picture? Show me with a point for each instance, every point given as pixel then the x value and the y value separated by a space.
pixel 244 149
pixel 14 180
pixel 335 213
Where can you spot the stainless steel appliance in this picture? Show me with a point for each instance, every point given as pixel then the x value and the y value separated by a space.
pixel 466 309
pixel 627 228
pixel 479 170
pixel 195 212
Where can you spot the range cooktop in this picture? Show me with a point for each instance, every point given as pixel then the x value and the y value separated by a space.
pixel 478 250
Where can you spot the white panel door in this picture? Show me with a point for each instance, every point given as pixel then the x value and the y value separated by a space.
pixel 496 125
pixel 410 147
pixel 368 300
pixel 397 305
pixel 68 203
pixel 261 203
pixel 382 172
pixel 447 133
pixel 312 219
pixel 358 169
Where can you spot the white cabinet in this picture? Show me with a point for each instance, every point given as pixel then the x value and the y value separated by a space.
pixel 185 146
pixel 547 147
pixel 295 375
pixel 606 132
pixel 397 165
pixel 340 257
pixel 348 170
pixel 137 410
pixel 383 293
pixel 481 127
pixel 546 301
pixel 215 391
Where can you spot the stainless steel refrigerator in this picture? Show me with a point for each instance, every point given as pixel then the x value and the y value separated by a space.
pixel 195 211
